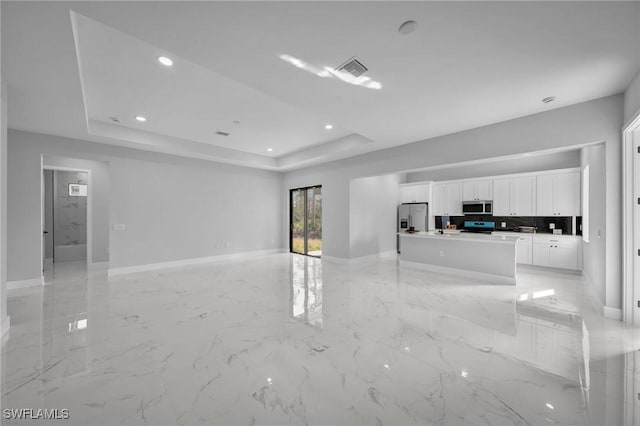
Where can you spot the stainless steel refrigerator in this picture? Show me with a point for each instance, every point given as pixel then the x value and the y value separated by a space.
pixel 413 215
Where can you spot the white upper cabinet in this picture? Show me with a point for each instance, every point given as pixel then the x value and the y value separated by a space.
pixel 447 199
pixel 437 207
pixel 546 194
pixel 501 197
pixel 454 201
pixel 474 190
pixel 544 198
pixel 414 193
pixel 558 194
pixel 514 196
pixel 523 196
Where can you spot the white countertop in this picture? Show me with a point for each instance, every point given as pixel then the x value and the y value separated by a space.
pixel 466 236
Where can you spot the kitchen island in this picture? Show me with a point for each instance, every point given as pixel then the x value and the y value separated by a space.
pixel 484 257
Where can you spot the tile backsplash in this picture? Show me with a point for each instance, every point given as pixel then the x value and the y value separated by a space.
pixel 542 223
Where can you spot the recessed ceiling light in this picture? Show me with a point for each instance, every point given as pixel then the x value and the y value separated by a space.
pixel 328 126
pixel 549 99
pixel 141 118
pixel 167 62
pixel 407 27
pixel 270 149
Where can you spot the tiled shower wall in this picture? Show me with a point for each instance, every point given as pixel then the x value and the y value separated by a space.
pixel 70 212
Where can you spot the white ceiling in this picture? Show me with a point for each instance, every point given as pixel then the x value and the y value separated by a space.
pixel 467 64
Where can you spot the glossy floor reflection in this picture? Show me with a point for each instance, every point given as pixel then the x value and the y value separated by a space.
pixel 288 339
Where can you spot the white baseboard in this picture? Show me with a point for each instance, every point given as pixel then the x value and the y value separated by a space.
pixel 388 254
pixel 473 275
pixel 94 266
pixel 334 259
pixel 189 262
pixel 613 313
pixel 362 259
pixel 4 327
pixel 33 282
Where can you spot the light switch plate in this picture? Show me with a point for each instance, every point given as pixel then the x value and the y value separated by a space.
pixel 552 226
pixel 503 224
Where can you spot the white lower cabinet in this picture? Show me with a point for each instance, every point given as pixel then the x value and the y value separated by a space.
pixel 556 252
pixel 524 250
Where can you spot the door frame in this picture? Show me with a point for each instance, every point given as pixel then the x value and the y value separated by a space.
pixel 89 208
pixel 631 221
pixel 306 248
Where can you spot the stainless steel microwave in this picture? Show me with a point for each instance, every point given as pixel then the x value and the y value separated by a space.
pixel 477 207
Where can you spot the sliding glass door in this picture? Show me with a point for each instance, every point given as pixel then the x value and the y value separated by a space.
pixel 305 218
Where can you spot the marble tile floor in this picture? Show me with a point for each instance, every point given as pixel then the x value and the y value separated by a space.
pixel 288 339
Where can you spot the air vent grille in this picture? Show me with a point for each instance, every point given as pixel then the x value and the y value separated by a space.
pixel 222 133
pixel 354 67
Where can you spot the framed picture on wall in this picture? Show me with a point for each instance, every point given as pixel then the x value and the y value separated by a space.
pixel 77 190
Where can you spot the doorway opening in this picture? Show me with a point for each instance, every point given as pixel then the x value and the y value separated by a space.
pixel 305 221
pixel 631 222
pixel 65 228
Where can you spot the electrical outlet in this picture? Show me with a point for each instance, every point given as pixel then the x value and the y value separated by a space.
pixel 441 253
pixel 503 224
pixel 119 227
pixel 552 226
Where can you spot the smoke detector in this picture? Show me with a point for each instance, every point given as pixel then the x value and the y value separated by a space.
pixel 353 66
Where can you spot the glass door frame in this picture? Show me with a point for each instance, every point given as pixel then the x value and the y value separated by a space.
pixel 305 190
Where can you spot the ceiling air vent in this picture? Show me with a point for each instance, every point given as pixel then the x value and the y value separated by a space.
pixel 222 133
pixel 353 66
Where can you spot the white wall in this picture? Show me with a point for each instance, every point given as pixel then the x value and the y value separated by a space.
pixel 595 121
pixel 632 99
pixel 173 208
pixel 179 209
pixel 373 215
pixel 533 163
pixel 4 319
pixel 594 252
